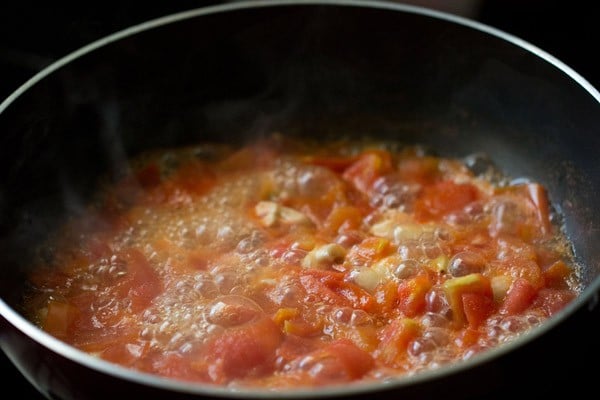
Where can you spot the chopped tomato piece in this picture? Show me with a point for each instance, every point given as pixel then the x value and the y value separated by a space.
pixel 468 337
pixel 539 197
pixel 369 250
pixel 477 307
pixel 442 198
pixel 339 361
pixel 421 170
pixel 553 300
pixel 455 288
pixel 174 365
pixel 343 218
pixel 193 177
pixel 142 283
pixel 370 165
pixel 411 295
pixel 354 361
pixel 519 297
pixel 246 350
pixel 60 318
pixel 300 327
pixel 557 275
pixel 395 339
pixel 331 287
pixel 386 296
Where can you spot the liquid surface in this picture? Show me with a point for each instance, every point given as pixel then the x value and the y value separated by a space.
pixel 282 264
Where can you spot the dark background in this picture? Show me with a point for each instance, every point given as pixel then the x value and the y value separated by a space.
pixel 33 35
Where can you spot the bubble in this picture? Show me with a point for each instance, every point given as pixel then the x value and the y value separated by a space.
pixel 406 269
pixel 439 336
pixel 441 234
pixel 390 191
pixel 514 324
pixel 225 277
pixel 205 286
pixel 294 256
pixel 311 298
pixel 117 267
pixel 232 310
pixel 506 216
pixel 410 249
pixel 430 246
pixel 250 242
pixel 360 317
pixel 89 287
pixel 348 239
pixel 183 287
pixel 343 315
pixel 226 235
pixel 186 348
pixel 431 319
pixel 202 234
pixel 436 301
pixel 422 349
pixel 287 293
pixel 424 248
pixel 149 316
pixel 260 258
pixel 147 333
pixel 175 339
pixel 471 213
pixel 319 366
pixel 465 263
pixel 315 182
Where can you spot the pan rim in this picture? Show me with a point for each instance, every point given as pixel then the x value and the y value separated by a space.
pixel 588 297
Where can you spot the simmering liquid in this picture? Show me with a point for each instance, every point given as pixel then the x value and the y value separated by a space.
pixel 284 264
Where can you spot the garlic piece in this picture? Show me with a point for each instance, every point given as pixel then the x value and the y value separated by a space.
pixel 324 256
pixel 271 213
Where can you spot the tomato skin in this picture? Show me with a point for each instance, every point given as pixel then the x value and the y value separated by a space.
pixel 519 297
pixel 442 198
pixel 142 284
pixel 173 365
pixel 468 337
pixel 353 360
pixel 343 218
pixel 331 287
pixel 553 300
pixel 557 275
pixel 338 361
pixel 60 319
pixel 456 288
pixel 247 350
pixel 369 166
pixel 395 339
pixel 477 307
pixel 411 295
pixel 422 170
pixel 194 177
pixel 369 250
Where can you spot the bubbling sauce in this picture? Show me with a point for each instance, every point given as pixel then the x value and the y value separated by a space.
pixel 284 264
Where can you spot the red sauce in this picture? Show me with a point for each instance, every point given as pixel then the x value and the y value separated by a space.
pixel 282 265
